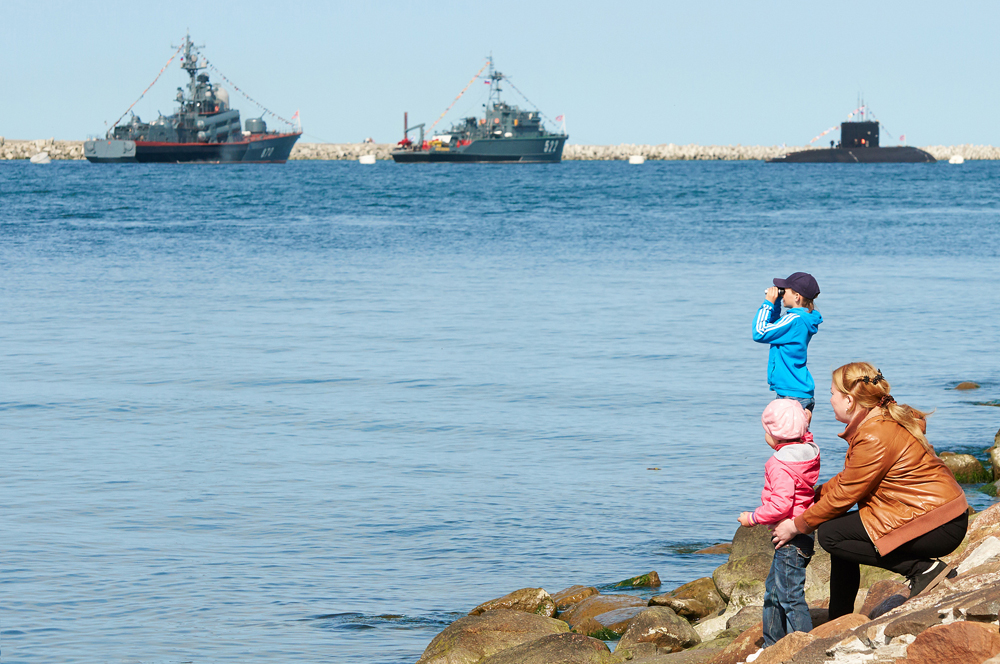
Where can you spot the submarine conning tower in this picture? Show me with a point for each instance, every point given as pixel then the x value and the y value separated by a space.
pixel 859 134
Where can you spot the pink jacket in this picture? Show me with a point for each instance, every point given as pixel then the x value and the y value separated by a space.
pixel 789 477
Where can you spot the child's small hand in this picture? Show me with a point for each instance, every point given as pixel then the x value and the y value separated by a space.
pixel 745 520
pixel 771 294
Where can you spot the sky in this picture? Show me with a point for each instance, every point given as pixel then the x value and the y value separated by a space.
pixel 711 73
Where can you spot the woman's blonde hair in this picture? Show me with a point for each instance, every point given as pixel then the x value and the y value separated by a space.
pixel 869 389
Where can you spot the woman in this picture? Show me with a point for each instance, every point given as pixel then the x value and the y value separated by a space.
pixel 910 510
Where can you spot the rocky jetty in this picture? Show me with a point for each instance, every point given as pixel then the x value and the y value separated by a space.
pixel 717 619
pixel 27 149
pixel 381 151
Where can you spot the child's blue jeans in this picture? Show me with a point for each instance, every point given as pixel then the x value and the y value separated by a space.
pixel 785 608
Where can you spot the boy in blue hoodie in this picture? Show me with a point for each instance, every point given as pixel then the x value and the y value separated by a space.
pixel 789 336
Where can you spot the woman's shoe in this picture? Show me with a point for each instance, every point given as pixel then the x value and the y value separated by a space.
pixel 935 574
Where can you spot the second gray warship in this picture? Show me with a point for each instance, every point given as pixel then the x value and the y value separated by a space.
pixel 506 134
pixel 204 130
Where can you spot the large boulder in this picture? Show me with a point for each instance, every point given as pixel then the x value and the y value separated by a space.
pixel 529 600
pixel 471 639
pixel 966 468
pixel 747 567
pixel 693 600
pixel 748 541
pixel 786 649
pixel 573 595
pixel 955 643
pixel 661 626
pixel 741 580
pixel 565 648
pixel 595 605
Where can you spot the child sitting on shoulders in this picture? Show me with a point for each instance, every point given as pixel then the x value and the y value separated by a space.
pixel 789 477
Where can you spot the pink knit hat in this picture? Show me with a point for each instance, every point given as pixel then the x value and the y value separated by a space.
pixel 785 419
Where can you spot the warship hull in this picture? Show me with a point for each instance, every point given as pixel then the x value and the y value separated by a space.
pixel 267 149
pixel 859 155
pixel 497 151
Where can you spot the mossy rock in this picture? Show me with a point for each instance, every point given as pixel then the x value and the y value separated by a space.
pixel 651 580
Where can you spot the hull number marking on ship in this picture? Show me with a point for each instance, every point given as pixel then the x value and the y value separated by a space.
pixel 550 146
pixel 266 152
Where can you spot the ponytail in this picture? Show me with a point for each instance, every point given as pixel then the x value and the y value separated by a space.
pixel 869 389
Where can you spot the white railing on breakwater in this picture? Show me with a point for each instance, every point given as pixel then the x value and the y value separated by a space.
pixel 11 149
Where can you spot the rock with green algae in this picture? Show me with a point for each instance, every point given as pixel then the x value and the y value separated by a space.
pixel 529 600
pixel 569 648
pixel 651 580
pixel 966 468
pixel 471 639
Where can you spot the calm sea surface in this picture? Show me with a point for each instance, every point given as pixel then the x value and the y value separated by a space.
pixel 315 412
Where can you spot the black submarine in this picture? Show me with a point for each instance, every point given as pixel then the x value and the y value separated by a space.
pixel 859 144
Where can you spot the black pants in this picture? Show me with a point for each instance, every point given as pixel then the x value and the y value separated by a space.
pixel 849 546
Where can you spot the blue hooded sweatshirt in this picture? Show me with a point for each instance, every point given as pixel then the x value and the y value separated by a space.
pixel 789 336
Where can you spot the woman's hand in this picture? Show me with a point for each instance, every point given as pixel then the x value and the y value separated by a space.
pixel 783 533
pixel 771 294
pixel 745 520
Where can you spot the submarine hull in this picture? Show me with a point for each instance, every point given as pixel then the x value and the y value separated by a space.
pixel 860 155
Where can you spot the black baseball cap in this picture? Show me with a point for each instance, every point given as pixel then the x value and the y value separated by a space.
pixel 802 283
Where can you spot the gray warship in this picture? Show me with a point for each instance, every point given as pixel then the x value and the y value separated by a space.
pixel 506 134
pixel 859 144
pixel 203 130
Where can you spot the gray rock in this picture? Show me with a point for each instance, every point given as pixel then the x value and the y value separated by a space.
pixel 745 618
pixel 747 572
pixel 471 639
pixel 661 626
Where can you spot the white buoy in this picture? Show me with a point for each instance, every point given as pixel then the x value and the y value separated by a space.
pixel 367 159
pixel 636 159
pixel 956 159
pixel 41 158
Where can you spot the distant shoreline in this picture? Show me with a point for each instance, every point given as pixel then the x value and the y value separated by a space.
pixel 22 149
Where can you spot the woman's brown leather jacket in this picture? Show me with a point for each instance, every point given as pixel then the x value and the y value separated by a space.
pixel 902 491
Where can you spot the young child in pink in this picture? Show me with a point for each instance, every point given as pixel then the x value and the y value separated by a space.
pixel 789 477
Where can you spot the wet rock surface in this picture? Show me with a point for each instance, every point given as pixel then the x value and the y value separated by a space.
pixel 529 600
pixel 471 639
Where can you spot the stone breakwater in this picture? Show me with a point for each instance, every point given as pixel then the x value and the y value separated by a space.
pixel 717 619
pixel 11 149
pixel 26 149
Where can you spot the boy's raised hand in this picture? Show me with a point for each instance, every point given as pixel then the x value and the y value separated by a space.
pixel 771 294
pixel 745 520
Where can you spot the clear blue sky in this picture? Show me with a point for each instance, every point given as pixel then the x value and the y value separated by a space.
pixel 622 72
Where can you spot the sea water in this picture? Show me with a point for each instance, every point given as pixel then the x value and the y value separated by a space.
pixel 316 412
